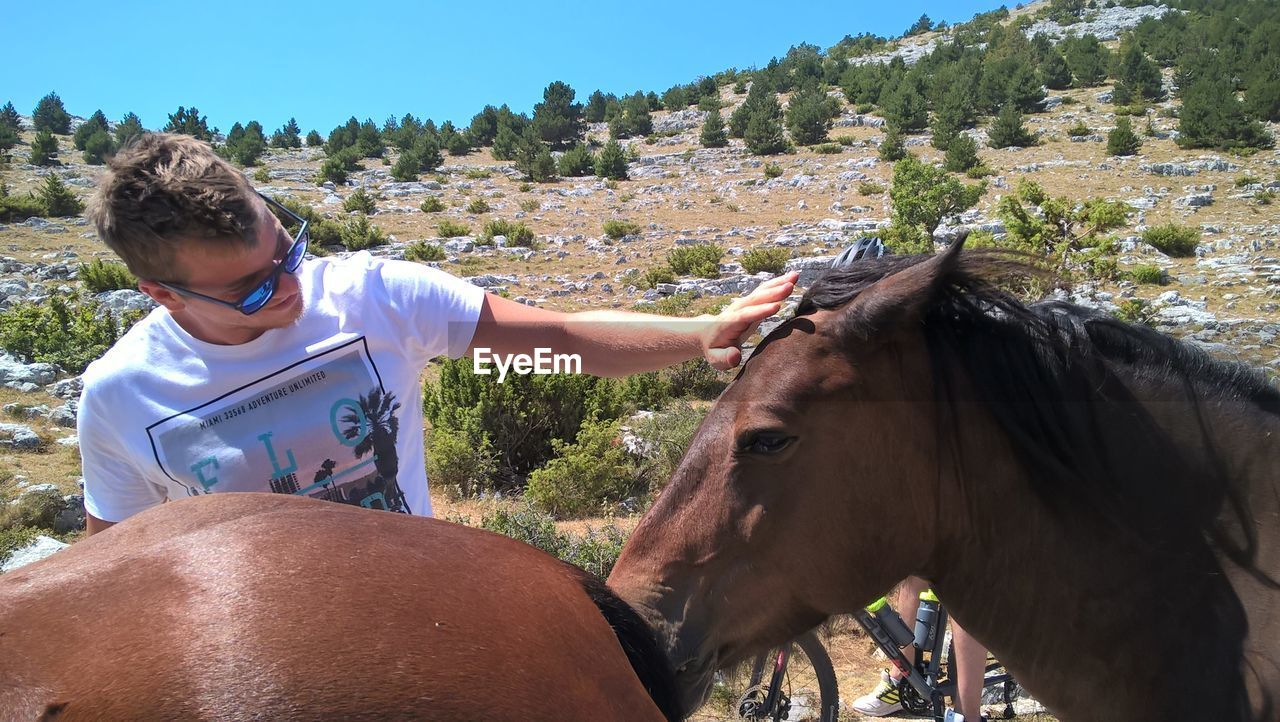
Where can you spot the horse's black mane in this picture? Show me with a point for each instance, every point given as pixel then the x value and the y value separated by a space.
pixel 1062 381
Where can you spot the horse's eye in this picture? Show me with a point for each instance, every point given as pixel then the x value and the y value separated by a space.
pixel 765 442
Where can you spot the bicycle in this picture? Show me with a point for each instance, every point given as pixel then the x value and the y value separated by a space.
pixel 802 687
pixel 926 683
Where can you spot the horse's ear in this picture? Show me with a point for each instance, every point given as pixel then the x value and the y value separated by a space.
pixel 902 297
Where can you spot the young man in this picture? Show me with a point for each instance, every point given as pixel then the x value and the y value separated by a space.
pixel 261 371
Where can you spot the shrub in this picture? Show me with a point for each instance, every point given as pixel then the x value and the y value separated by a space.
pixel 423 252
pixel 961 155
pixel 1212 117
pixel 450 229
pixel 1122 140
pixel 314 139
pixel 1079 130
pixel 596 550
pixel 67 332
pixel 517 234
pixel 361 201
pixel 478 206
pixel 520 417
pixel 44 149
pixel 923 195
pixel 695 378
pixel 1173 239
pixel 656 275
pixel 1148 273
pixel 1007 131
pixel 764 135
pixel 586 475
pixel 701 259
pixel 99 276
pixel 772 260
pixel 772 170
pixel 97 147
pixel 18 208
pixel 358 234
pixel 576 162
pixel 1134 310
pixel 892 149
pixel 530 205
pixel 262 175
pixel 677 304
pixel 188 122
pixel 57 198
pixel 828 148
pixel 665 437
pixel 432 204
pixel 34 510
pixel 871 188
pixel 612 162
pixel 51 116
pixel 406 167
pixel 617 229
pixel 458 464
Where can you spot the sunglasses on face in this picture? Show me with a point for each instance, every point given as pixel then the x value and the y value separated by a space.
pixel 261 294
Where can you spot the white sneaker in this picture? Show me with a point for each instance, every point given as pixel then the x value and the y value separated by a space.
pixel 882 701
pixel 952 716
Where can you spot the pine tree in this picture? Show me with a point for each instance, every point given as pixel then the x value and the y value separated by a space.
pixel 288 136
pixel 809 115
pixel 483 128
pixel 1137 77
pixel 962 154
pixel 533 157
pixel 892 148
pixel 593 111
pixel 9 117
pixel 1122 140
pixel 129 127
pixel 189 122
pixel 905 107
pixel 923 195
pixel 1212 117
pixel 8 139
pixel 1024 90
pixel 634 120
pixel 713 131
pixel 557 118
pixel 1008 131
pixel 44 149
pixel 57 198
pixel 50 115
pixel 506 143
pixel 314 139
pixel 96 122
pixel 577 161
pixel 405 169
pixel 1054 72
pixel 1262 99
pixel 612 162
pixel 764 134
pixel 1088 60
pixel 98 147
pixel 427 150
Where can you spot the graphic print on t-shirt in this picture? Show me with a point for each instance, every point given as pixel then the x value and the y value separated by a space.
pixel 324 427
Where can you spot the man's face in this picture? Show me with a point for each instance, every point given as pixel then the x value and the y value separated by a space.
pixel 228 273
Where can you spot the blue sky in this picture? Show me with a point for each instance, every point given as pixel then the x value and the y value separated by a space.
pixel 323 62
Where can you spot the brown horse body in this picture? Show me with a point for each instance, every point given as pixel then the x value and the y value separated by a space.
pixel 1095 502
pixel 258 606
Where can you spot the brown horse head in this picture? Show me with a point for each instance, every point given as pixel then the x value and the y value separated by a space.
pixel 1068 483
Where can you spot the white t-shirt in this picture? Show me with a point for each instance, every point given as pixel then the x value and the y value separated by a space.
pixel 329 407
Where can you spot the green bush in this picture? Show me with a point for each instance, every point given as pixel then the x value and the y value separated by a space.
pixel 773 260
pixel 458 464
pixel 99 276
pixel 358 234
pixel 1008 131
pixel 1122 140
pixel 18 208
pixel 13 538
pixel 577 161
pixel 423 252
pixel 44 149
pixel 659 274
pixel 695 378
pixel 893 148
pixel 612 162
pixel 530 205
pixel 57 198
pixel 713 133
pixel 478 206
pixel 517 234
pixel 871 188
pixel 520 417
pixel 595 551
pixel 617 229
pixel 35 510
pixel 772 170
pixel 67 332
pixel 1173 239
pixel 961 155
pixel 665 436
pixel 677 304
pixel 587 475
pixel 701 259
pixel 406 167
pixel 450 229
pixel 828 148
pixel 361 202
pixel 432 204
pixel 262 175
pixel 1079 130
pixel 1148 273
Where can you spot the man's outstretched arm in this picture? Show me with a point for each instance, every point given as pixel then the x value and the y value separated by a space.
pixel 621 343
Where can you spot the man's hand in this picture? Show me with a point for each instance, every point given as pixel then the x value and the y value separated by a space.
pixel 728 330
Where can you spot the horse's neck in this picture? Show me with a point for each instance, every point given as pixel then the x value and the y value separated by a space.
pixel 1090 621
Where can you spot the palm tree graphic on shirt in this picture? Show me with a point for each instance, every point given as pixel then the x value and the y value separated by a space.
pixel 377 421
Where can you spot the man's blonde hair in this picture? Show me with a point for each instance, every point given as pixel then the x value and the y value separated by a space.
pixel 163 190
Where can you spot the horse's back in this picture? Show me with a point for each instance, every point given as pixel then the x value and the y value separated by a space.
pixel 241 606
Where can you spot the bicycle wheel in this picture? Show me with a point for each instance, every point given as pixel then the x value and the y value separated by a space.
pixel 807 686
